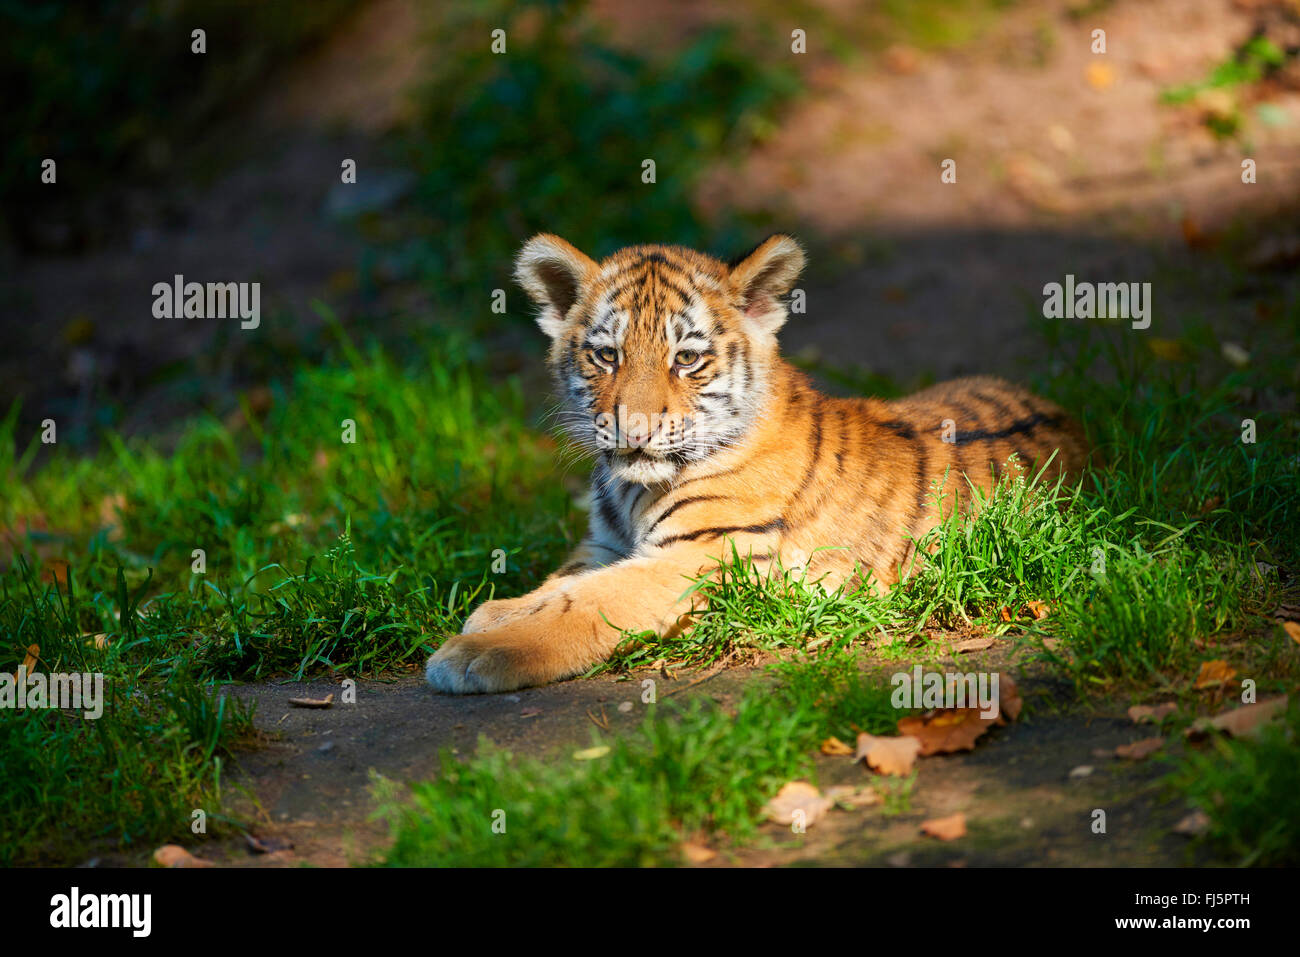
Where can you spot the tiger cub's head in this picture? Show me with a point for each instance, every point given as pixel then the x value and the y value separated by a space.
pixel 661 354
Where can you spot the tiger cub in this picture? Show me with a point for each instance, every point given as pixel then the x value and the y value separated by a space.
pixel 668 371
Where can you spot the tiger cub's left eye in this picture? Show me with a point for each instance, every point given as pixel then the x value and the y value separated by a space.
pixel 686 358
pixel 607 355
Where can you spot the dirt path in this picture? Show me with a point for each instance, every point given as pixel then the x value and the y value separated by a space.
pixel 309 783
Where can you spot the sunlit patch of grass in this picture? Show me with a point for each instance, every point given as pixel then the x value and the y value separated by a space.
pixel 695 769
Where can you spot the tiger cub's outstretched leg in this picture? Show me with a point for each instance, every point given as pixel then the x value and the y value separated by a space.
pixel 562 630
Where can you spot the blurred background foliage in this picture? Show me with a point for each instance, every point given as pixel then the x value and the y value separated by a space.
pixel 503 144
pixel 112 88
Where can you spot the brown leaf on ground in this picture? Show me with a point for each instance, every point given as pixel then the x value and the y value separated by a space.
pixel 1099 75
pixel 847 796
pixel 173 855
pixel 1009 701
pixel 972 644
pixel 1039 609
pixel 946 731
pixel 894 756
pixel 1139 750
pixel 902 59
pixel 795 797
pixel 56 570
pixel 32 656
pixel 267 845
pixel 1198 822
pixel 1145 713
pixel 1215 673
pixel 1293 630
pixel 945 828
pixel 1243 722
pixel 696 853
pixel 1004 613
pixel 324 702
pixel 835 747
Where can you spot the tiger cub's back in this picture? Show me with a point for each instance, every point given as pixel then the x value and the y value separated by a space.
pixel 972 426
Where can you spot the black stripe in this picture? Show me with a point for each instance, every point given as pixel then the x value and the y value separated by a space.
pixel 775 525
pixel 899 428
pixel 684 294
pixel 998 405
pixel 678 504
pixel 711 475
pixel 613 520
pixel 922 491
pixel 816 454
pixel 1024 425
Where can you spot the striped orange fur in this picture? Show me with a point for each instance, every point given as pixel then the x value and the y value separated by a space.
pixel 669 373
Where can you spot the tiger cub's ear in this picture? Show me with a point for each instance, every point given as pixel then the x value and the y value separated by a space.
pixel 553 273
pixel 759 280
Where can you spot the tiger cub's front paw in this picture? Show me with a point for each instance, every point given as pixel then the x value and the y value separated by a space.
pixel 492 614
pixel 479 664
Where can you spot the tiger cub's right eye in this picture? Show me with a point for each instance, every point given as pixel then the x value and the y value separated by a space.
pixel 607 355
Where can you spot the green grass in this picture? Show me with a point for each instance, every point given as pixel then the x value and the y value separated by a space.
pixel 322 558
pixel 1248 789
pixel 688 770
pixel 328 559
pixel 69 784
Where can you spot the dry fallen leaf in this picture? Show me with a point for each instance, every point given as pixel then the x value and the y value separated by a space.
pixel 945 828
pixel 56 570
pixel 696 853
pixel 946 731
pixel 888 755
pixel 1198 822
pixel 267 845
pixel 1140 749
pixel 1009 700
pixel 1004 613
pixel 1142 713
pixel 324 702
pixel 847 796
pixel 835 747
pixel 173 855
pixel 31 658
pixel 1215 673
pixel 1293 630
pixel 1099 75
pixel 972 644
pixel 1243 722
pixel 591 754
pixel 1039 609
pixel 795 797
